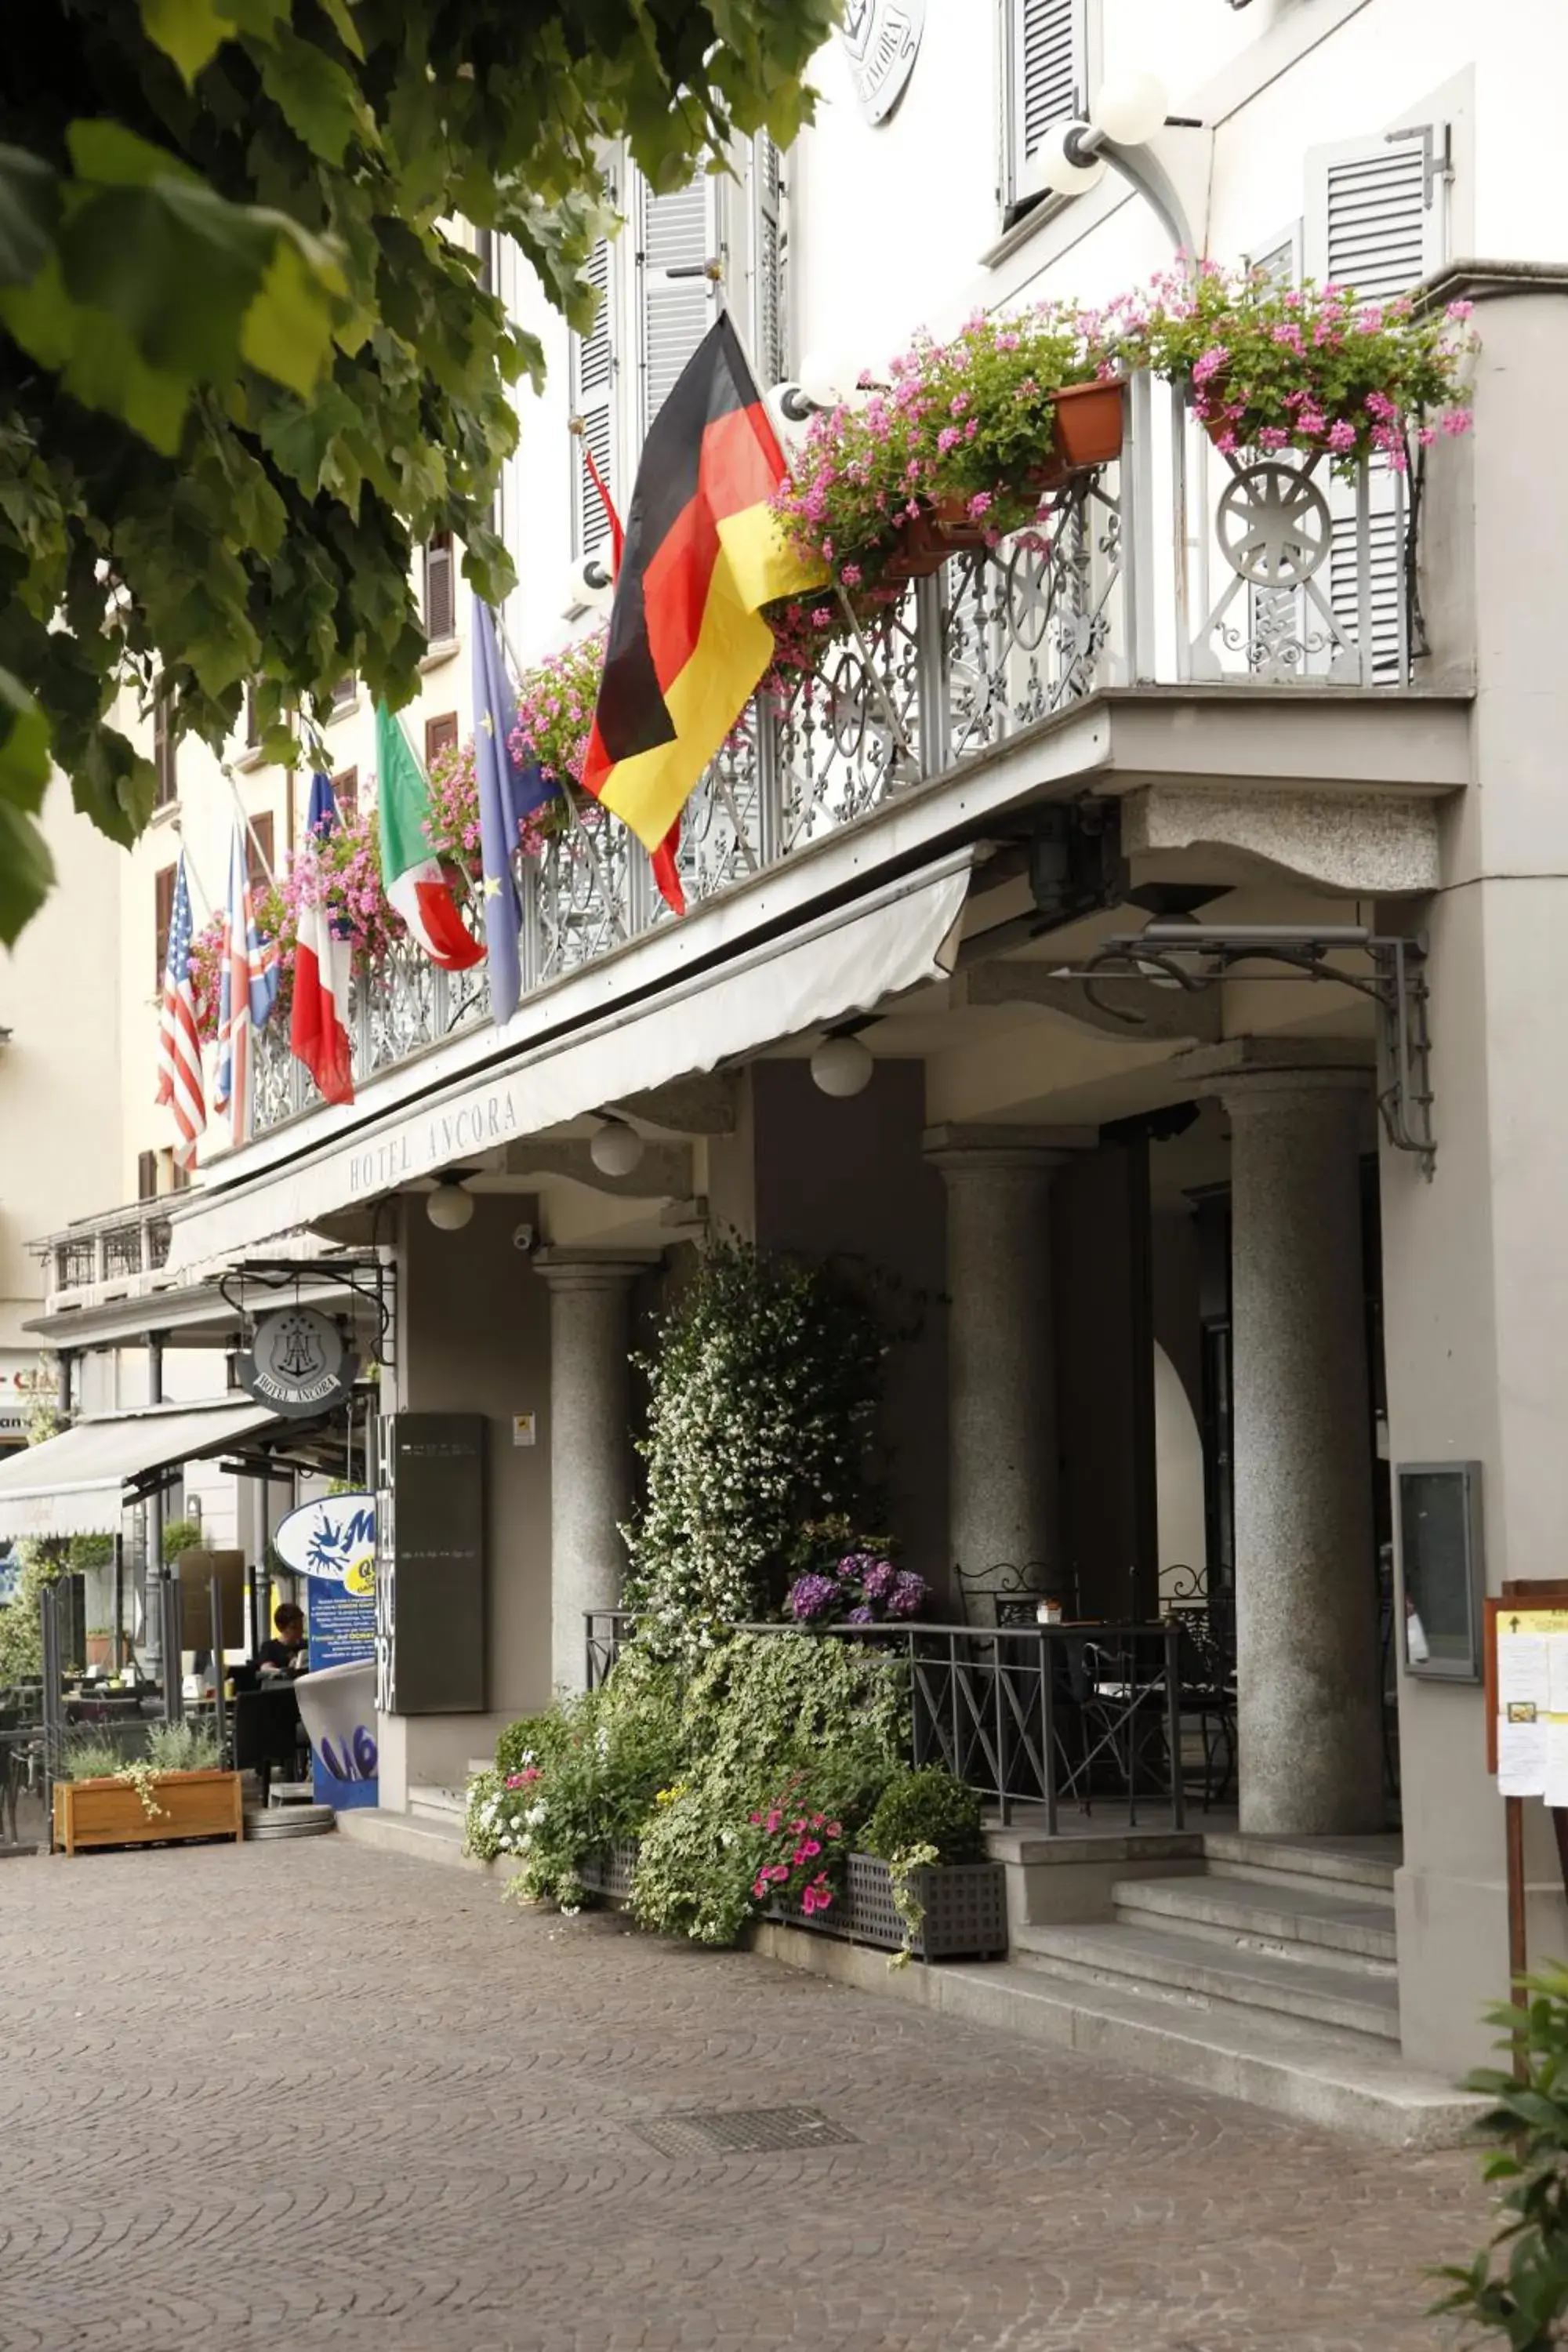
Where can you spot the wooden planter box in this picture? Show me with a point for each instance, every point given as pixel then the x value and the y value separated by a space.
pixel 110 1813
pixel 965 1911
pixel 609 1871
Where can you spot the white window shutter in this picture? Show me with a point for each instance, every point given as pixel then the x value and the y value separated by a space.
pixel 769 337
pixel 677 249
pixel 592 392
pixel 1046 75
pixel 1279 259
pixel 1376 210
pixel 1376 221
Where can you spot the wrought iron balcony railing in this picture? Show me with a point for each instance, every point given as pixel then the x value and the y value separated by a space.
pixel 108 1248
pixel 1176 564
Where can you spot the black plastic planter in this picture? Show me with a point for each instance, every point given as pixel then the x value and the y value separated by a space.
pixel 965 1911
pixel 608 1872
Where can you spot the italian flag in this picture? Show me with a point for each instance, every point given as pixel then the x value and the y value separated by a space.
pixel 319 1025
pixel 409 867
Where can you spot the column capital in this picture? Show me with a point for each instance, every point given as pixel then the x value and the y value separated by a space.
pixel 957 1150
pixel 1248 1066
pixel 592 1269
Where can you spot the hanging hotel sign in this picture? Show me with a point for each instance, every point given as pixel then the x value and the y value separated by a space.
pixel 883 39
pixel 297 1362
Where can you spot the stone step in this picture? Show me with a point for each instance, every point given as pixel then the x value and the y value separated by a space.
pixel 1302 1862
pixel 1182 1969
pixel 1356 1927
pixel 431 1839
pixel 1350 2082
pixel 480 1764
pixel 428 1804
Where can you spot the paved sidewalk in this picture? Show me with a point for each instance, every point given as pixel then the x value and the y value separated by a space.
pixel 301 2094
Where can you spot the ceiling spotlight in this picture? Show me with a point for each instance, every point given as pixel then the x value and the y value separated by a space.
pixel 616 1148
pixel 451 1205
pixel 842 1066
pixel 1129 108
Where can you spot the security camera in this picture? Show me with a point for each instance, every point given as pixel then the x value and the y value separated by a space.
pixel 524 1238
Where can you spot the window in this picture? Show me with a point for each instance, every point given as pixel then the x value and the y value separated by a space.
pixel 1280 258
pixel 179 1175
pixel 259 865
pixel 346 791
pixel 146 1176
pixel 163 913
pixel 485 246
pixel 441 735
pixel 662 283
pixel 164 753
pixel 592 387
pixel 1045 80
pixel 344 695
pixel 440 589
pixel 252 718
pixel 1376 220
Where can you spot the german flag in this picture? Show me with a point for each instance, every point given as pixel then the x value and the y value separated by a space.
pixel 703 554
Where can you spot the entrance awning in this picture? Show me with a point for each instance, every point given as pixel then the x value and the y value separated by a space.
pixel 74 1484
pixel 846 963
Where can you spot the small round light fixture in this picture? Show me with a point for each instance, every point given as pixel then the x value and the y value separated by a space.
pixel 842 1066
pixel 450 1206
pixel 1058 171
pixel 1129 108
pixel 616 1148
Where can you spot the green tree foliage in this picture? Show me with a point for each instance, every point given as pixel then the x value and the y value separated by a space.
pixel 245 366
pixel 1516 2289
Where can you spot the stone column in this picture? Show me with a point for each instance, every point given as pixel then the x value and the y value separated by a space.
pixel 1307 1667
pixel 1003 1501
pixel 590 1439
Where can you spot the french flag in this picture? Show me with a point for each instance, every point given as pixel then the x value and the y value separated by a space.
pixel 319 1025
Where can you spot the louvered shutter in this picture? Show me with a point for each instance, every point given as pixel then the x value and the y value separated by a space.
pixel 592 397
pixel 678 245
pixel 1376 216
pixel 769 336
pixel 1280 259
pixel 163 914
pixel 440 589
pixel 1046 76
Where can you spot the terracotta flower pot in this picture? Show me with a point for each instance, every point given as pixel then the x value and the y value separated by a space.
pixel 942 528
pixel 1088 432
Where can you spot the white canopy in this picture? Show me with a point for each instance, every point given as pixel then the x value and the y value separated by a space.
pixel 74 1484
pixel 849 961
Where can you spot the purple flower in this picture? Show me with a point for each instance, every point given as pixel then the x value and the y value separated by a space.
pixel 862 1615
pixel 811 1597
pixel 909 1591
pixel 879 1581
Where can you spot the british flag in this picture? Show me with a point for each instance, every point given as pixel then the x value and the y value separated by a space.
pixel 179 1042
pixel 248 990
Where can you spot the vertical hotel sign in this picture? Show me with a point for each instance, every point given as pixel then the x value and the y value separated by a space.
pixel 331 1543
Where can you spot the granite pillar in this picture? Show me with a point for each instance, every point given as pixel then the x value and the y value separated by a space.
pixel 1307 1630
pixel 590 1440
pixel 1002 1484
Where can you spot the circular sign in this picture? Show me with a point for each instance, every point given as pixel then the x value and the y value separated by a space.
pixel 883 39
pixel 297 1362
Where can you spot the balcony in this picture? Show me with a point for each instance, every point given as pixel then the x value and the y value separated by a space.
pixel 1176 566
pixel 108 1250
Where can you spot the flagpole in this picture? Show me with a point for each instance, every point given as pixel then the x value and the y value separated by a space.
pixel 261 857
pixel 191 873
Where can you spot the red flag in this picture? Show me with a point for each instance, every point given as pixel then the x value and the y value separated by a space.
pixel 617 535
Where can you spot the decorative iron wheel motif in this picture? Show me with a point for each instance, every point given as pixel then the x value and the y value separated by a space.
pixel 1273 525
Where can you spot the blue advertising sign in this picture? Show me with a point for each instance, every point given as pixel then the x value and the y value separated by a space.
pixel 331 1543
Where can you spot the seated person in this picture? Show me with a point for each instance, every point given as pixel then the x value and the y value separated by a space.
pixel 286 1654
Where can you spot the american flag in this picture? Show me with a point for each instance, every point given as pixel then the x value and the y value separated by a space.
pixel 179 1043
pixel 248 990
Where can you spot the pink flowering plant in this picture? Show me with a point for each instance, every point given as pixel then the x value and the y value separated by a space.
pixel 799 1852
pixel 1309 368
pixel 963 429
pixel 555 705
pixel 453 826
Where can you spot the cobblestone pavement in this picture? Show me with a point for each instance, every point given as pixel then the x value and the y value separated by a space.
pixel 304 2095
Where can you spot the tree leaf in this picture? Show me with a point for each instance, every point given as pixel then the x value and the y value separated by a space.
pixel 26 869
pixel 117 158
pixel 23 746
pixel 288 328
pixel 315 96
pixel 190 31
pixel 29 215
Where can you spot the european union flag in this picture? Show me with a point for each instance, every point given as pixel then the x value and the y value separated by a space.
pixel 507 793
